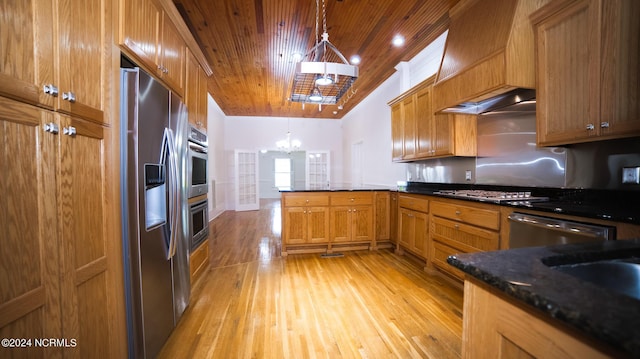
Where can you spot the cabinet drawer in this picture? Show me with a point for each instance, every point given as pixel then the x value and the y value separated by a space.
pixel 351 198
pixel 305 199
pixel 465 237
pixel 415 203
pixel 487 218
pixel 440 253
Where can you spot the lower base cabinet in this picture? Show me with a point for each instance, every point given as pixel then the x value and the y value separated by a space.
pixel 494 326
pixel 199 261
pixel 413 224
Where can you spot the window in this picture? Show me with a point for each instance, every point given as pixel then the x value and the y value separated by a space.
pixel 283 172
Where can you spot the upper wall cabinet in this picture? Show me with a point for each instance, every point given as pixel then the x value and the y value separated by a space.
pixel 489 51
pixel 149 34
pixel 63 67
pixel 196 93
pixel 588 57
pixel 417 133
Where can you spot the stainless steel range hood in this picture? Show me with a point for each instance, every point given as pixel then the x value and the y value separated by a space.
pixel 523 97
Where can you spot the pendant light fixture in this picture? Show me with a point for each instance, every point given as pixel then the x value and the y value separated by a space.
pixel 287 145
pixel 323 75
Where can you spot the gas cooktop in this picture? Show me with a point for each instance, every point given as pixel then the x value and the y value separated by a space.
pixel 492 196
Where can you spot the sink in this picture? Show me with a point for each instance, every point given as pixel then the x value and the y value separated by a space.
pixel 618 275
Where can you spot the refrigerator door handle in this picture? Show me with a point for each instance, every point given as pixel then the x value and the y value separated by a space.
pixel 174 187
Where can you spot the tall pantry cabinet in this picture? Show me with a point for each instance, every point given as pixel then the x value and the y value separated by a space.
pixel 60 253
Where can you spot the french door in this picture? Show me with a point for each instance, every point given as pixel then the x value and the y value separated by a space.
pixel 246 181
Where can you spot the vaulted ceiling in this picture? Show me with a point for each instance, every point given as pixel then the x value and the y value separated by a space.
pixel 250 45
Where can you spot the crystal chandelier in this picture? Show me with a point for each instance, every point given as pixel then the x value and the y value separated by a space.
pixel 324 75
pixel 287 145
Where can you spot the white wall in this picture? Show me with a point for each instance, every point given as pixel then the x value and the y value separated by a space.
pixel 369 122
pixel 217 168
pixel 257 133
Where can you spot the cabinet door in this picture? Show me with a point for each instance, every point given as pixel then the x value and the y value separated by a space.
pixel 172 55
pixel 568 47
pixel 139 29
pixel 420 233
pixel 85 62
pixel 191 88
pixel 203 100
pixel 318 225
pixel 29 274
pixel 444 136
pixel 361 223
pixel 26 50
pixel 620 69
pixel 340 224
pixel 383 215
pixel 405 227
pixel 85 288
pixel 393 217
pixel 295 225
pixel 409 128
pixel 196 93
pixel 424 123
pixel 396 132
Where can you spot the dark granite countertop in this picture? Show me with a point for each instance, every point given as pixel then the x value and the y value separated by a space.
pixel 339 187
pixel 618 206
pixel 526 275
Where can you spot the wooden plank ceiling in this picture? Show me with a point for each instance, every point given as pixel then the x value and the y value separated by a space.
pixel 250 43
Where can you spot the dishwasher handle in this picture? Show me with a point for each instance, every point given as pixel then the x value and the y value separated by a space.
pixel 560 225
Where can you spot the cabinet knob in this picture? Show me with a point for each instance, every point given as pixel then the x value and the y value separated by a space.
pixel 69 131
pixel 604 125
pixel 457 213
pixel 51 128
pixel 50 90
pixel 590 127
pixel 69 96
pixel 456 226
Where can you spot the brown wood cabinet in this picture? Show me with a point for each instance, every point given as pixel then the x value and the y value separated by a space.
pixel 588 58
pixel 61 276
pixel 494 326
pixel 56 55
pixel 393 217
pixel 417 133
pixel 199 261
pixel 305 219
pixel 458 227
pixel 413 224
pixel 351 217
pixel 148 33
pixel 382 219
pixel 196 93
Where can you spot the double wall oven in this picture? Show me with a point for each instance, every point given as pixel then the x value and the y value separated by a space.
pixel 197 186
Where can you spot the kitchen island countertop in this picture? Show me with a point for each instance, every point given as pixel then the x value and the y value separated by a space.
pixel 339 187
pixel 526 274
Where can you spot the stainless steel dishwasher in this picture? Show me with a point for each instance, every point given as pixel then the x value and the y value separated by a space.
pixel 527 230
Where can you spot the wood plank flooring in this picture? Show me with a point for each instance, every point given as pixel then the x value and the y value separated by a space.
pixel 252 303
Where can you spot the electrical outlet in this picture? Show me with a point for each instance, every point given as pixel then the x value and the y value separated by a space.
pixel 467 175
pixel 631 175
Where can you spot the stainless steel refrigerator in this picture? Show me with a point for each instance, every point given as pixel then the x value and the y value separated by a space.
pixel 154 211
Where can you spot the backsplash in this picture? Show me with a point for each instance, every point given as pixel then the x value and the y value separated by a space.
pixel 507 155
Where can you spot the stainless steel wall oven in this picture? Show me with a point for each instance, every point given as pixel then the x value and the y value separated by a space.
pixel 198 223
pixel 197 163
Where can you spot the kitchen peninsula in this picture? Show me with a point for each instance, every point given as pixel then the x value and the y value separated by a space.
pixel 342 217
pixel 576 316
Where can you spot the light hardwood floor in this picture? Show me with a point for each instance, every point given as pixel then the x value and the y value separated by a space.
pixel 253 303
